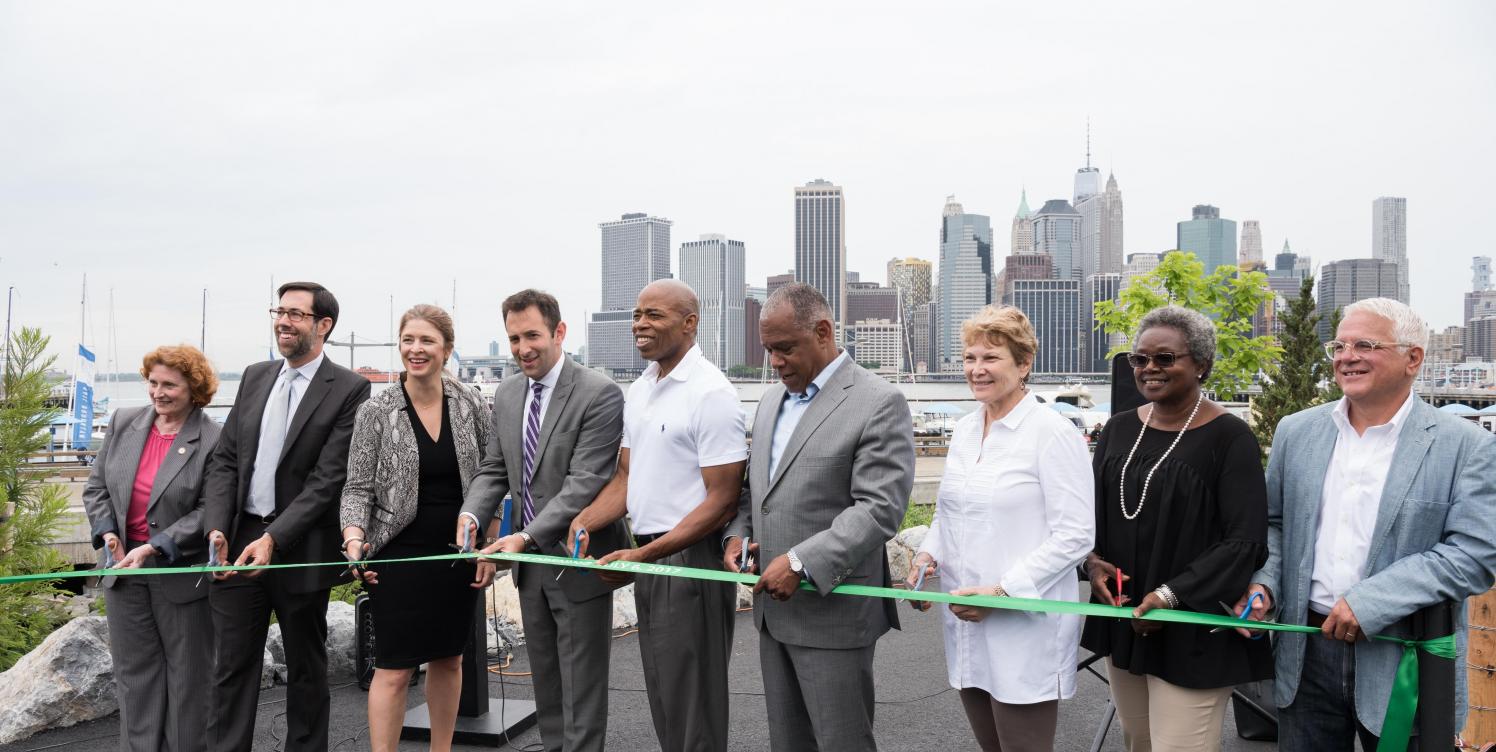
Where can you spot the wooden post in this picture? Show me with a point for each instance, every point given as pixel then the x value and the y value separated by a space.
pixel 1480 727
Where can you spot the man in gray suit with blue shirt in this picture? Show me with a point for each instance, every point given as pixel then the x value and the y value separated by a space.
pixel 1379 505
pixel 828 483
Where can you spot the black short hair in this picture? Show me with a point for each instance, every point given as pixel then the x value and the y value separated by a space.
pixel 550 309
pixel 324 303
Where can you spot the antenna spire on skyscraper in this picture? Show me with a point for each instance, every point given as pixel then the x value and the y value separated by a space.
pixel 1088 141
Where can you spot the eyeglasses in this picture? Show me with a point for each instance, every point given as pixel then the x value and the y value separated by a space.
pixel 1163 359
pixel 296 316
pixel 1362 347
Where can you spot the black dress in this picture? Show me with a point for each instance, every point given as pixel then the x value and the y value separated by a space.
pixel 1202 531
pixel 424 611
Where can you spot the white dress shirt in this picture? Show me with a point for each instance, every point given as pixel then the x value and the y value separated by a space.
pixel 1015 509
pixel 672 428
pixel 548 384
pixel 1349 502
pixel 256 504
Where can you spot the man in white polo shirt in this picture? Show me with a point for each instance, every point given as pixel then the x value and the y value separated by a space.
pixel 678 477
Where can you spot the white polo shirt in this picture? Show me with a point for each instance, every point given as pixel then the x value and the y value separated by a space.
pixel 672 428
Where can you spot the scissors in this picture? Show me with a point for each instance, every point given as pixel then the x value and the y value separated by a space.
pixel 744 558
pixel 358 571
pixel 212 562
pixel 1243 615
pixel 467 544
pixel 919 582
pixel 576 550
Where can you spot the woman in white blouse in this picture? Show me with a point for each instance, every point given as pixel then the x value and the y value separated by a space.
pixel 1015 516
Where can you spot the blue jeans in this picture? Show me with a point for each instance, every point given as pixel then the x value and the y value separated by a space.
pixel 1322 717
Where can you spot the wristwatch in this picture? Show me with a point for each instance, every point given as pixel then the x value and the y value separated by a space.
pixel 795 565
pixel 529 540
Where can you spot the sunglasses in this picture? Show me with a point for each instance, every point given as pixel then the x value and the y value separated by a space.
pixel 1163 359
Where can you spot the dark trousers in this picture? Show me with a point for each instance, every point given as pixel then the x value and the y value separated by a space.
pixel 685 641
pixel 162 654
pixel 569 645
pixel 1006 727
pixel 241 617
pixel 1322 716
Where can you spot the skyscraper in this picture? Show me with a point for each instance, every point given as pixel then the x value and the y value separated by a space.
pixel 1209 237
pixel 1057 230
pixel 776 281
pixel 1139 264
pixel 1389 238
pixel 1480 268
pixel 1023 228
pixel 1251 243
pixel 1053 306
pixel 1347 281
pixel 821 243
pixel 1098 287
pixel 753 343
pixel 919 339
pixel 965 275
pixel 1110 242
pixel 870 301
pixel 911 277
pixel 1023 266
pixel 715 267
pixel 635 252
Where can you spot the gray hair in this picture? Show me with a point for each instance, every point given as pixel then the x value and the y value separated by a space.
pixel 1199 333
pixel 809 305
pixel 1407 325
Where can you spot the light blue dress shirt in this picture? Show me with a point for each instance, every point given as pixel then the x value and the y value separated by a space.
pixel 793 407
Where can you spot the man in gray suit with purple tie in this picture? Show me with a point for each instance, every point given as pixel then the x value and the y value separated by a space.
pixel 556 430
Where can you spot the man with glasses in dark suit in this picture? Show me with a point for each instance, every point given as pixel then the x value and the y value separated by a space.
pixel 271 496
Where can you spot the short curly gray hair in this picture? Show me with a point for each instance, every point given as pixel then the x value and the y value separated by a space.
pixel 1199 333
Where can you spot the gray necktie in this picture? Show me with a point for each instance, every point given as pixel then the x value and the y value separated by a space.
pixel 272 440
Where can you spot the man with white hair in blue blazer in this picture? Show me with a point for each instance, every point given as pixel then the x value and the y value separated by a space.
pixel 1378 505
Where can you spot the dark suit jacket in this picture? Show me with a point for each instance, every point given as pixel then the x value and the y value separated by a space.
pixel 173 513
pixel 575 456
pixel 309 479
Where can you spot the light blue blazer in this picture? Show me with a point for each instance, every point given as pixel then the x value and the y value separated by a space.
pixel 1434 540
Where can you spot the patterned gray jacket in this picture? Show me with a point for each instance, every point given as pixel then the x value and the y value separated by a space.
pixel 384 460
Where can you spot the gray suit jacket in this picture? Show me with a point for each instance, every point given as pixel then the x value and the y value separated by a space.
pixel 839 495
pixel 1434 540
pixel 575 456
pixel 173 512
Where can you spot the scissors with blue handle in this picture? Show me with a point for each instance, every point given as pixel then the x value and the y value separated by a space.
pixel 919 583
pixel 576 550
pixel 1245 612
pixel 467 544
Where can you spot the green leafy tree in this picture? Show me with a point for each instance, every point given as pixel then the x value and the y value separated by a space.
pixel 1299 380
pixel 744 372
pixel 1230 298
pixel 32 512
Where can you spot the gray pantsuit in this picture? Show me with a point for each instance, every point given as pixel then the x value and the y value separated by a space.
pixel 160 634
pixel 160 645
pixel 685 642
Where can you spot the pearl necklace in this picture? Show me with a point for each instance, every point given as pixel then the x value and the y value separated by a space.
pixel 1122 486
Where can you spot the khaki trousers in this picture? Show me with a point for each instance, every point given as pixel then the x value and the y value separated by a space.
pixel 1158 716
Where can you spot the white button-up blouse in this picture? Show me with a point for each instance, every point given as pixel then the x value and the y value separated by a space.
pixel 1015 509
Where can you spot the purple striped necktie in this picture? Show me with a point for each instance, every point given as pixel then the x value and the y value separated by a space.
pixel 532 441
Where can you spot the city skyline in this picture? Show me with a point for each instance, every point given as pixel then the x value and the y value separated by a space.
pixel 391 162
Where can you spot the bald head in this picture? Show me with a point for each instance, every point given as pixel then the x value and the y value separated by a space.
pixel 674 293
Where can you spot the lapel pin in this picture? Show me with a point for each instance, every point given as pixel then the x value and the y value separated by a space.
pixel 181 450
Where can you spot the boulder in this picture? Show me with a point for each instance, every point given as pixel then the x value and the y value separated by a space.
pixel 745 596
pixel 901 550
pixel 66 680
pixel 625 612
pixel 274 668
pixel 342 635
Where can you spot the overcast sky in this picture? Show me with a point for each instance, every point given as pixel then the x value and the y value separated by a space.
pixel 387 150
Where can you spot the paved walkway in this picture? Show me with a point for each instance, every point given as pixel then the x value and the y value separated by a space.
pixel 916 708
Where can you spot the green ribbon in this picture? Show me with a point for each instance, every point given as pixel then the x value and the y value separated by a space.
pixel 1396 728
pixel 1402 705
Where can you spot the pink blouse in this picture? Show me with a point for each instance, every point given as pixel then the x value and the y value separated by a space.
pixel 156 446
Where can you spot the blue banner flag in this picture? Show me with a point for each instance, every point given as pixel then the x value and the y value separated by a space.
pixel 83 403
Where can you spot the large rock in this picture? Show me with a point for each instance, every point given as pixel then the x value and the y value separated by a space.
pixel 274 668
pixel 902 548
pixel 342 636
pixel 625 611
pixel 66 680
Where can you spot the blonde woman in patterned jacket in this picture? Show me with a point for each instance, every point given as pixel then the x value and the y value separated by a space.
pixel 415 450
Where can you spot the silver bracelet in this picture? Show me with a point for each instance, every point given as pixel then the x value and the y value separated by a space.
pixel 1167 593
